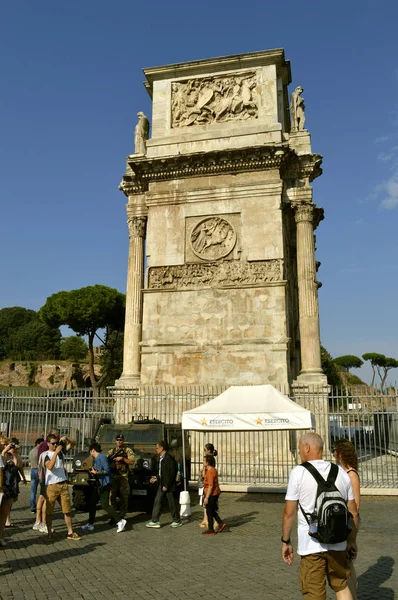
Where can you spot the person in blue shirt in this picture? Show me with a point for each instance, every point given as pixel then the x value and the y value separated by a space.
pixel 101 488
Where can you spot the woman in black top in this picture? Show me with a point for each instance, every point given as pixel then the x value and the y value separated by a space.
pixel 344 453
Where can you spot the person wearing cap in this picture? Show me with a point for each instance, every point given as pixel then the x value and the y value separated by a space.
pixel 120 459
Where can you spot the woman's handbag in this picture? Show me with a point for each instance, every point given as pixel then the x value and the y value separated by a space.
pixel 178 474
pixel 201 491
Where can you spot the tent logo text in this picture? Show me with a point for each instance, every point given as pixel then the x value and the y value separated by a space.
pixel 221 422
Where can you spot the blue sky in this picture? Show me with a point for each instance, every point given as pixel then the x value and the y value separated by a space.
pixel 71 85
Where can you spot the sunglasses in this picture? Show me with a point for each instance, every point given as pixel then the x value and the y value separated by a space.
pixel 119 439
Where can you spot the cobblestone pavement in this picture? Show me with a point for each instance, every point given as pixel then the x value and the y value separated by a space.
pixel 243 562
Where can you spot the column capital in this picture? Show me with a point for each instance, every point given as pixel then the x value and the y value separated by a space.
pixel 137 226
pixel 303 211
pixel 307 211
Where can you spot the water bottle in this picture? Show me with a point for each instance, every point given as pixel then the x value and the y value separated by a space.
pixel 313 526
pixel 349 523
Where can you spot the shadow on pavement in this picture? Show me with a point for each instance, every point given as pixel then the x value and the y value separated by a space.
pixel 262 498
pixel 239 520
pixel 11 566
pixel 369 583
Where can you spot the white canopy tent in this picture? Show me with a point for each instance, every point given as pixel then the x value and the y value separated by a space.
pixel 248 408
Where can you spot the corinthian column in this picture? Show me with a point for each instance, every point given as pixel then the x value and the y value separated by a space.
pixel 310 344
pixel 133 325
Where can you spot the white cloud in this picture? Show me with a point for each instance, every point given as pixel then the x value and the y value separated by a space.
pixel 386 157
pixel 383 138
pixel 390 188
pixel 390 155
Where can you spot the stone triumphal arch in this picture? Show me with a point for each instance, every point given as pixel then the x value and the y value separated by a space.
pixel 220 202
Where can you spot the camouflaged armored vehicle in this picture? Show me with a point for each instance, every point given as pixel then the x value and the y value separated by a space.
pixel 141 436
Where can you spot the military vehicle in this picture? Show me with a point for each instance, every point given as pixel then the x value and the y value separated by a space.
pixel 141 436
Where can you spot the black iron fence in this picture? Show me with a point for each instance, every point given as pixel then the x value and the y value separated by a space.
pixel 366 416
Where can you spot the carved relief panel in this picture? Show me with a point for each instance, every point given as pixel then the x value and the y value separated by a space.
pixel 214 99
pixel 212 238
pixel 220 274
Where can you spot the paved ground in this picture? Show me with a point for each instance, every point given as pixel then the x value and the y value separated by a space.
pixel 241 563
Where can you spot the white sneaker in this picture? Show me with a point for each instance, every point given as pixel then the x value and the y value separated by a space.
pixel 121 525
pixel 154 524
pixel 36 526
pixel 88 527
pixel 43 529
pixel 176 524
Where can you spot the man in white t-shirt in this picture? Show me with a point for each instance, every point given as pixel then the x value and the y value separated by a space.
pixel 318 561
pixel 57 484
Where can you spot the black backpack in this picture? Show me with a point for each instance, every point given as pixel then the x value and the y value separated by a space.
pixel 329 523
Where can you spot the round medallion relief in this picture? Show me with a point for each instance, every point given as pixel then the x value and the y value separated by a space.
pixel 213 238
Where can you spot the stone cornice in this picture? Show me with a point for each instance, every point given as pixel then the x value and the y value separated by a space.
pixel 143 171
pixel 234 62
pixel 129 186
pixel 306 166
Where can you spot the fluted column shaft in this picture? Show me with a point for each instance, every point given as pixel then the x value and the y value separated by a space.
pixel 133 325
pixel 307 291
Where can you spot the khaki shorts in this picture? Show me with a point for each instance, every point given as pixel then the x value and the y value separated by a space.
pixel 60 492
pixel 316 568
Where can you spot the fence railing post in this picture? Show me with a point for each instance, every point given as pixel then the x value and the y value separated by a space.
pixel 11 414
pixel 83 437
pixel 46 414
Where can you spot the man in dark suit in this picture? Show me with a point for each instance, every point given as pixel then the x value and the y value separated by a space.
pixel 166 479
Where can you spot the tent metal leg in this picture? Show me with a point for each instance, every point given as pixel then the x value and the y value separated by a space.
pixel 184 460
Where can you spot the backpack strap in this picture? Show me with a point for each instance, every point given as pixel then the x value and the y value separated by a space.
pixel 318 478
pixel 305 515
pixel 330 481
pixel 334 471
pixel 314 472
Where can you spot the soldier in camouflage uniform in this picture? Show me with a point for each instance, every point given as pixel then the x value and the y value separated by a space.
pixel 120 458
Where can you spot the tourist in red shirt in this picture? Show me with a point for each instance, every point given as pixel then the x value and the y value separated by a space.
pixel 211 492
pixel 209 450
